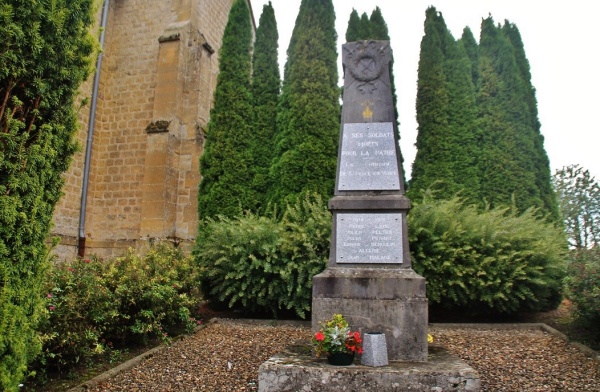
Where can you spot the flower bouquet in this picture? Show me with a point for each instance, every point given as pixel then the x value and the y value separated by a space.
pixel 336 340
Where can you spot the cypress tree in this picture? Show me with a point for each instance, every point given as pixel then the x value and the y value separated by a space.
pixel 543 176
pixel 266 82
pixel 446 114
pixel 507 168
pixel 46 52
pixel 470 44
pixel 379 29
pixel 309 111
pixel 226 163
pixel 352 32
pixel 364 27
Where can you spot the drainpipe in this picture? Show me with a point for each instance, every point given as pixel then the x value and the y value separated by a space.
pixel 90 136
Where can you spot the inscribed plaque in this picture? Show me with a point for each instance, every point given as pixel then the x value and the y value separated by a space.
pixel 370 238
pixel 368 158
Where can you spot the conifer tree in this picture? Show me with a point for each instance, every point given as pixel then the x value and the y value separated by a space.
pixel 266 83
pixel 364 27
pixel 46 52
pixel 543 176
pixel 508 154
pixel 379 29
pixel 226 163
pixel 309 112
pixel 446 114
pixel 471 47
pixel 352 32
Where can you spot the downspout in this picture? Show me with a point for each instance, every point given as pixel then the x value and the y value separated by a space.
pixel 90 136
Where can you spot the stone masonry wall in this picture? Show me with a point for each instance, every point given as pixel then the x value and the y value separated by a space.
pixel 158 76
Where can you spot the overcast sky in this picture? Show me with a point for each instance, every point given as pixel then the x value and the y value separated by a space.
pixel 561 43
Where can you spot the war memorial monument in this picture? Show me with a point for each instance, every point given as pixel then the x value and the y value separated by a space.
pixel 369 279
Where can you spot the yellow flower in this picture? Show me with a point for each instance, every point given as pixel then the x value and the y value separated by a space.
pixel 429 338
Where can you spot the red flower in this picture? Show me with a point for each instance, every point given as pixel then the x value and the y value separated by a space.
pixel 319 337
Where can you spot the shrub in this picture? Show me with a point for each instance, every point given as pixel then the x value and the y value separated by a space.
pixel 583 287
pixel 94 305
pixel 486 261
pixel 80 311
pixel 154 293
pixel 256 263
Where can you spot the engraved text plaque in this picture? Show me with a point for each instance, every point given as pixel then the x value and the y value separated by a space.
pixel 368 159
pixel 369 238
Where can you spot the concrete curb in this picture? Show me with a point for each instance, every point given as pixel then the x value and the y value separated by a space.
pixel 157 350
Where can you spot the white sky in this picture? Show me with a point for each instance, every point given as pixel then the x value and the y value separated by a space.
pixel 561 42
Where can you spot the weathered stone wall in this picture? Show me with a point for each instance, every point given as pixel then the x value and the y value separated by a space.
pixel 158 76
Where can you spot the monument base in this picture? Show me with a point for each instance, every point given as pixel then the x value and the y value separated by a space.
pixel 296 370
pixel 387 300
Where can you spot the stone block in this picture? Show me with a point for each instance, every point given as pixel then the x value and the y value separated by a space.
pixel 387 300
pixel 296 370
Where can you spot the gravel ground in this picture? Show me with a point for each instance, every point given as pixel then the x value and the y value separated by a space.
pixel 225 356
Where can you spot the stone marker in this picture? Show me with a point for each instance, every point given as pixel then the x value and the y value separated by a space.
pixel 369 278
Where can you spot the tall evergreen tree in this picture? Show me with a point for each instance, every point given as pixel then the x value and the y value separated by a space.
pixel 266 81
pixel 379 29
pixel 471 47
pixel 364 27
pixel 46 52
pixel 309 113
pixel 226 164
pixel 543 176
pixel 446 114
pixel 507 160
pixel 353 30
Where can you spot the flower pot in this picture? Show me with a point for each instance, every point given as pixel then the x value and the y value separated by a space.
pixel 340 359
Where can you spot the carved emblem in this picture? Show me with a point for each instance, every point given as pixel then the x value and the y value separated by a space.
pixel 366 61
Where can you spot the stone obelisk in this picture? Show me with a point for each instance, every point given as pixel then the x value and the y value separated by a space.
pixel 369 278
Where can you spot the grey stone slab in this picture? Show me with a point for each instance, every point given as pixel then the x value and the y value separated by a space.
pixel 371 238
pixel 368 283
pixel 368 157
pixel 296 370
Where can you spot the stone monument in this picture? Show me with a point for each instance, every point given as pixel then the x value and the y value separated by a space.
pixel 369 278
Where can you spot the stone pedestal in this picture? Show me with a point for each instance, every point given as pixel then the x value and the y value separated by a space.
pixel 390 300
pixel 295 370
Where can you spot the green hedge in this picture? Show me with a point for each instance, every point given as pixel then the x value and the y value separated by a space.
pixel 257 263
pixel 490 261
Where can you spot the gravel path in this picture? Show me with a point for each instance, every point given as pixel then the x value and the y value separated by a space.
pixel 225 356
